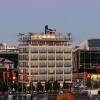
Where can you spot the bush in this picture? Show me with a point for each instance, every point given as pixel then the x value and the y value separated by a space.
pixel 3 87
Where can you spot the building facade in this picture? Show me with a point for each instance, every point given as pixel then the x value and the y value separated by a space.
pixel 45 56
pixel 9 52
pixel 86 57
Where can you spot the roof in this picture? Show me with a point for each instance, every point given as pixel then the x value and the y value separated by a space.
pixel 3 60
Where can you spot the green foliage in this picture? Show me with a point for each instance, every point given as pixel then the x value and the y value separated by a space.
pixel 13 85
pixel 56 85
pixel 39 86
pixel 47 86
pixel 32 87
pixel 89 83
pixel 3 87
pixel 21 87
pixel 96 85
pixel 65 86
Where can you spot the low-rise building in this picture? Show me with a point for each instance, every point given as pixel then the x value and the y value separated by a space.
pixel 86 57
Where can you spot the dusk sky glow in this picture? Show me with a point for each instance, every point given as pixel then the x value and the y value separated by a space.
pixel 80 17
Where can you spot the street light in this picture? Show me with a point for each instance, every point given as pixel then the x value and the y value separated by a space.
pixel 27 87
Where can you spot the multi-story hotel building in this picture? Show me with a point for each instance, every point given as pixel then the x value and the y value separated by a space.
pixel 45 56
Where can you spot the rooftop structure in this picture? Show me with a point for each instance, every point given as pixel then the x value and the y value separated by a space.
pixel 90 44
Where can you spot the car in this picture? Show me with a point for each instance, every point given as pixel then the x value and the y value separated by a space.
pixel 77 85
pixel 82 87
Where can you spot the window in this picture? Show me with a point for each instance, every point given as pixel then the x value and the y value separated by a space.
pixel 51 77
pixel 59 63
pixel 42 71
pixel 43 56
pixel 34 56
pixel 51 56
pixel 59 71
pixel 67 70
pixel 59 56
pixel 51 70
pixel 59 77
pixel 67 56
pixel 67 77
pixel 67 63
pixel 59 50
pixel 34 50
pixel 42 49
pixel 20 50
pixel 51 49
pixel 67 49
pixel 43 63
pixel 42 77
pixel 34 63
pixel 51 63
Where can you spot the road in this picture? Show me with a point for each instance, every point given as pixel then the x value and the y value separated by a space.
pixel 35 96
pixel 45 96
pixel 81 97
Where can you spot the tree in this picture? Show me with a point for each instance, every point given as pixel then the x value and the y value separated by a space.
pixel 65 86
pixel 32 87
pixel 47 86
pixel 3 87
pixel 39 86
pixel 56 85
pixel 21 87
pixel 89 82
pixel 96 85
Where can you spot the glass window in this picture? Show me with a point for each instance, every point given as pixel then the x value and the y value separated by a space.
pixel 51 56
pixel 42 49
pixel 59 77
pixel 67 63
pixel 51 77
pixel 59 71
pixel 34 63
pixel 42 77
pixel 34 49
pixel 59 50
pixel 59 63
pixel 42 71
pixel 67 49
pixel 43 56
pixel 42 63
pixel 67 56
pixel 59 56
pixel 67 70
pixel 20 50
pixel 51 70
pixel 34 56
pixel 51 49
pixel 67 77
pixel 51 63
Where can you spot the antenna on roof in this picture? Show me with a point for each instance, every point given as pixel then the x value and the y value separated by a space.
pixel 69 36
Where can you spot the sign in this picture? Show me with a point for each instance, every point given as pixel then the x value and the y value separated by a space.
pixel 85 75
pixel 97 67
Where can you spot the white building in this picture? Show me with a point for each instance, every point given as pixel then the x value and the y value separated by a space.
pixel 45 56
pixel 4 47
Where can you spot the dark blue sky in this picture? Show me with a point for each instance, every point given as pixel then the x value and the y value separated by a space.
pixel 80 17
